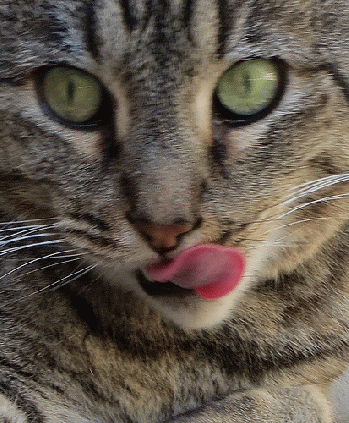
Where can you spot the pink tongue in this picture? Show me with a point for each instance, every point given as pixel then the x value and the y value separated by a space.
pixel 212 271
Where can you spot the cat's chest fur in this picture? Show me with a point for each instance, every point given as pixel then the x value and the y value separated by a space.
pixel 119 361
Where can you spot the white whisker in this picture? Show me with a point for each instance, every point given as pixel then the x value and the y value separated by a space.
pixel 290 224
pixel 38 244
pixel 275 244
pixel 27 227
pixel 57 284
pixel 88 286
pixel 58 263
pixel 313 186
pixel 49 256
pixel 75 275
pixel 22 229
pixel 25 238
pixel 68 255
pixel 13 222
pixel 318 201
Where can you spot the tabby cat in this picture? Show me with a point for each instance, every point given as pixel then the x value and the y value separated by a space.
pixel 174 210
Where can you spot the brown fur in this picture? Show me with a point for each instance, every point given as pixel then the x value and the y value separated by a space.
pixel 80 339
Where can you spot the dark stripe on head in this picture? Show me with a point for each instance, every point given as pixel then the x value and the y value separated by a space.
pixel 157 15
pixel 224 22
pixel 91 27
pixel 92 220
pixel 339 79
pixel 157 9
pixel 129 15
pixel 187 11
pixel 188 6
pixel 23 404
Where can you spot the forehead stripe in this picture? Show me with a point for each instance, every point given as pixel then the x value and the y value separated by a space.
pixel 91 30
pixel 128 14
pixel 225 24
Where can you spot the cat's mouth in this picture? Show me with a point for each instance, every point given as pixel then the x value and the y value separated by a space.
pixel 160 289
pixel 209 271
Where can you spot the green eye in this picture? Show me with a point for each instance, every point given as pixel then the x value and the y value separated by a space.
pixel 250 87
pixel 72 95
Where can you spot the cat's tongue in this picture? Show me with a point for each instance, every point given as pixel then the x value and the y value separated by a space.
pixel 212 271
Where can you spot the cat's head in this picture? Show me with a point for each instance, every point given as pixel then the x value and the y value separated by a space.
pixel 146 129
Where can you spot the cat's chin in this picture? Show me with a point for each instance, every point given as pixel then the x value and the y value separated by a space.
pixel 194 312
pixel 183 306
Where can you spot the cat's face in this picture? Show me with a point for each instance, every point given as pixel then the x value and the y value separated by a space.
pixel 196 123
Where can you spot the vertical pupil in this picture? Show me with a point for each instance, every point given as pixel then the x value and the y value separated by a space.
pixel 70 91
pixel 247 83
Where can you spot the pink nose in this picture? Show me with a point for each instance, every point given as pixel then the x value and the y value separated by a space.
pixel 162 236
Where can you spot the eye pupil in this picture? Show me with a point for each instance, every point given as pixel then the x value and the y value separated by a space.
pixel 70 92
pixel 247 83
pixel 249 90
pixel 73 97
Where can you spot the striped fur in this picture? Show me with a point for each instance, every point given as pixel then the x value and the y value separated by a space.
pixel 80 339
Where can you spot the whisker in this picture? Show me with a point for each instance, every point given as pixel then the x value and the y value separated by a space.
pixel 57 284
pixel 63 256
pixel 88 286
pixel 14 228
pixel 25 238
pixel 309 203
pixel 23 229
pixel 311 187
pixel 297 222
pixel 38 244
pixel 49 256
pixel 49 266
pixel 276 243
pixel 11 233
pixel 69 255
pixel 66 280
pixel 13 222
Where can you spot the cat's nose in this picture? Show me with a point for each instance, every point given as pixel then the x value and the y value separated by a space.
pixel 162 237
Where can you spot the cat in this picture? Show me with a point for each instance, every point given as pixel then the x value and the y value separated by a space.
pixel 174 210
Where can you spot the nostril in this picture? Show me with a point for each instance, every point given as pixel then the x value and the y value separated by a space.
pixel 162 237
